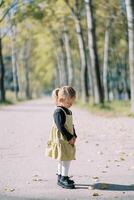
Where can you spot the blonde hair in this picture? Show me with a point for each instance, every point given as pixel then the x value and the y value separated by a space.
pixel 65 92
pixel 55 94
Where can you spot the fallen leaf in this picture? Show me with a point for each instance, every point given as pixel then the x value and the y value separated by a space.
pixel 116 161
pixel 95 177
pixel 8 189
pixel 36 178
pixel 104 171
pixel 122 159
pixel 95 194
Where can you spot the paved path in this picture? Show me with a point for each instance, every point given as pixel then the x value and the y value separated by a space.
pixel 105 154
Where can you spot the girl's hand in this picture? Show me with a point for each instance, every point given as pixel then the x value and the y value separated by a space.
pixel 72 141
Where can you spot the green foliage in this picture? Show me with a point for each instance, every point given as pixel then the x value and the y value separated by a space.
pixel 41 23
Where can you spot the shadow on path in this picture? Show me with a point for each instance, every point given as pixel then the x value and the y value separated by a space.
pixel 106 186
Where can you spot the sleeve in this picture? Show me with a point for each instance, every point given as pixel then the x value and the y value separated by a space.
pixel 74 132
pixel 59 118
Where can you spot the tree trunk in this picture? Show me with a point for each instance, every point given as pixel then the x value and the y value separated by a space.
pixel 105 61
pixel 57 70
pixel 26 67
pixel 14 64
pixel 59 76
pixel 2 74
pixel 126 77
pixel 69 58
pixel 63 65
pixel 82 50
pixel 98 89
pixel 60 55
pixel 84 67
pixel 91 89
pixel 130 18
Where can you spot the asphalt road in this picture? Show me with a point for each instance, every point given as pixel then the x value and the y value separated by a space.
pixel 105 155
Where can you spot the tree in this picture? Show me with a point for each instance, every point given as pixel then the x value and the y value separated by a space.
pixel 96 78
pixel 6 7
pixel 14 62
pixel 130 18
pixel 82 49
pixel 105 62
pixel 68 54
pixel 2 73
pixel 26 52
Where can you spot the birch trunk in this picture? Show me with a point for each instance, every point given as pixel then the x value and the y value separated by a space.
pixel 26 52
pixel 130 18
pixel 60 55
pixel 126 77
pixel 2 74
pixel 69 57
pixel 57 75
pixel 57 70
pixel 64 73
pixel 98 90
pixel 84 67
pixel 14 63
pixel 105 61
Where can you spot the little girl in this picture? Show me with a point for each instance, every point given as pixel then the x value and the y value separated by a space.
pixel 61 144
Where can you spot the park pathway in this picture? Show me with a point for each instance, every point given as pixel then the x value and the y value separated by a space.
pixel 105 155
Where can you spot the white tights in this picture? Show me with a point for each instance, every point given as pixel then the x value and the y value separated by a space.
pixel 63 167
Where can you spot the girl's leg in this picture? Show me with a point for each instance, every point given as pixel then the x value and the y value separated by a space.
pixel 65 168
pixel 64 181
pixel 59 169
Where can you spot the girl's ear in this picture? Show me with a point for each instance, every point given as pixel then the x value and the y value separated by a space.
pixel 61 100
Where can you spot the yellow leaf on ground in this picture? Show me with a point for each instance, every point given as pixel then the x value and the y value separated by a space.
pixel 8 189
pixel 36 178
pixel 121 158
pixel 95 194
pixel 95 177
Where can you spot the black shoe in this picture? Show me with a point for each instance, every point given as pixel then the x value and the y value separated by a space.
pixel 59 177
pixel 65 182
pixel 71 181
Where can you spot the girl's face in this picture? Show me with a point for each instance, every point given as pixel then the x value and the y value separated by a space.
pixel 67 103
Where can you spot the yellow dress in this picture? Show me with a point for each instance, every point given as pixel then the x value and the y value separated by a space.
pixel 57 146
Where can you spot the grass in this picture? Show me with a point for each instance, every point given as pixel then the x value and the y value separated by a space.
pixel 109 109
pixel 7 102
pixel 10 99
